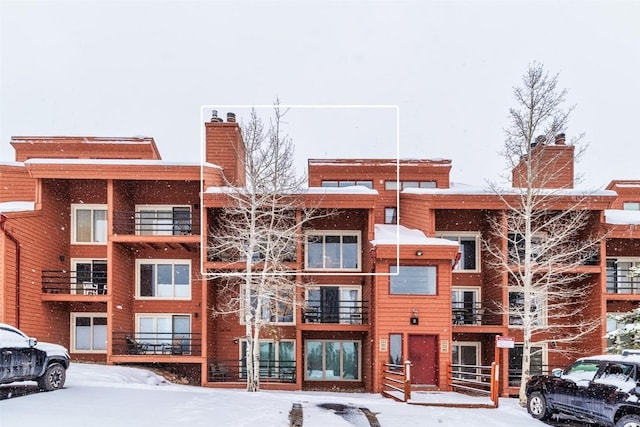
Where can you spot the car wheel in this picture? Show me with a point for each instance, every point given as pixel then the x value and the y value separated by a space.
pixel 53 377
pixel 631 420
pixel 537 406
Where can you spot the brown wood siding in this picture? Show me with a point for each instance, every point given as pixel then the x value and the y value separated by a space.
pixel 225 148
pixel 83 147
pixel 17 185
pixel 416 214
pixel 554 167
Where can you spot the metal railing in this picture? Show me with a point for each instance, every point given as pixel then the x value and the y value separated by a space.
pixel 623 281
pixel 74 282
pixel 157 343
pixel 164 224
pixel 231 370
pixel 476 380
pixel 476 313
pixel 342 312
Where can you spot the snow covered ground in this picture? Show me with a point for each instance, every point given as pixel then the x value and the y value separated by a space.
pixel 107 396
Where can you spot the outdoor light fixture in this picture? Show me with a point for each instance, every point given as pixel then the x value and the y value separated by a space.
pixel 419 252
pixel 414 317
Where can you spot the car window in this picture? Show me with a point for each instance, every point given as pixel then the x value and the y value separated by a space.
pixel 618 374
pixel 581 370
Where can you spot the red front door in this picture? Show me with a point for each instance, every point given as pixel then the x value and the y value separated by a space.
pixel 423 354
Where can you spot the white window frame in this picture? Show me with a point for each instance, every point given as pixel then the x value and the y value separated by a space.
pixel 477 308
pixel 545 353
pixel 165 229
pixel 478 346
pixel 266 312
pixel 633 281
pixel 156 262
pixel 389 219
pixel 404 184
pixel 432 273
pixel 340 233
pixel 542 301
pixel 354 315
pixel 324 366
pixel 94 240
pixel 537 240
pixel 76 288
pixel 157 339
pixel 631 206
pixel 276 346
pixel 457 236
pixel 92 315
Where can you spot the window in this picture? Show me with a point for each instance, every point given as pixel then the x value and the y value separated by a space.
pixel 163 220
pixel 631 206
pixel 395 185
pixel 277 359
pixel 395 349
pixel 164 279
pixel 536 367
pixel 466 354
pixel 516 247
pixel 412 280
pixel 274 308
pixel 347 183
pixel 333 304
pixel 516 308
pixel 91 276
pixel 391 215
pixel 469 250
pixel 160 330
pixel 332 360
pixel 623 276
pixel 88 332
pixel 89 224
pixel 466 306
pixel 333 250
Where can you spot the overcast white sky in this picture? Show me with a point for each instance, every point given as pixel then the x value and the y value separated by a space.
pixel 125 68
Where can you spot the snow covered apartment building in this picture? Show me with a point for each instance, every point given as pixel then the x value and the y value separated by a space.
pixel 101 250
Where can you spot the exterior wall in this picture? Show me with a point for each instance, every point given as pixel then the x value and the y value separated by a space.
pixel 554 167
pixel 17 185
pixel 225 148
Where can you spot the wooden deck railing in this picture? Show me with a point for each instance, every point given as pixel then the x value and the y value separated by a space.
pixel 475 379
pixel 396 381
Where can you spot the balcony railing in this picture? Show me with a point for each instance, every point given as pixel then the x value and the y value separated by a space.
pixel 476 313
pixel 278 371
pixel 74 282
pixel 157 343
pixel 342 312
pixel 125 222
pixel 623 281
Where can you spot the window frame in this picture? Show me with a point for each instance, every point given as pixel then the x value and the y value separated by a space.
pixel 343 317
pixel 268 321
pixel 537 239
pixel 395 275
pixel 395 185
pixel 101 286
pixel 544 362
pixel 474 311
pixel 75 207
pixel 74 315
pixel 623 283
pixel 459 236
pixel 175 229
pixel 276 373
pixel 342 183
pixel 393 218
pixel 333 233
pixel 156 339
pixel 323 377
pixel 631 206
pixel 173 262
pixel 542 316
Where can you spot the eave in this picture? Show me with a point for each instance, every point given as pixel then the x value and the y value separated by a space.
pixel 61 170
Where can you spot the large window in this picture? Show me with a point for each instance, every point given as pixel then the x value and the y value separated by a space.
pixel 465 303
pixel 333 250
pixel 412 280
pixel 469 250
pixel 88 224
pixel 88 332
pixel 402 185
pixel 516 308
pixel 347 183
pixel 275 307
pixel 163 220
pixel 631 206
pixel 516 247
pixel 277 359
pixel 164 279
pixel 91 276
pixel 467 355
pixel 333 304
pixel 160 331
pixel 537 366
pixel 329 360
pixel 623 276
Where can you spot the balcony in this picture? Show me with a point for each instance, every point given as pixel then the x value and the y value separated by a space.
pixel 74 282
pixel 271 371
pixel 336 312
pixel 473 313
pixel 623 278
pixel 160 223
pixel 157 343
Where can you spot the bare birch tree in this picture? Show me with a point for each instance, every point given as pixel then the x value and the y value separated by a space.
pixel 258 233
pixel 544 245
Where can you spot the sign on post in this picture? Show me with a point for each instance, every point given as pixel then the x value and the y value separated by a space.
pixel 505 342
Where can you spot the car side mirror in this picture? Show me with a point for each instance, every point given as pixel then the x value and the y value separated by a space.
pixel 557 372
pixel 33 342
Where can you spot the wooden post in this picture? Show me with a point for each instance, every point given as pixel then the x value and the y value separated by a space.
pixel 495 383
pixel 407 380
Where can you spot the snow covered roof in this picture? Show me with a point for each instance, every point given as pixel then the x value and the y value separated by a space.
pixel 354 189
pixel 16 206
pixel 116 162
pixel 618 216
pixel 391 234
pixel 459 188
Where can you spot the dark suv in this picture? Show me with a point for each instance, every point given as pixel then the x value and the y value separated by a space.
pixel 25 359
pixel 599 389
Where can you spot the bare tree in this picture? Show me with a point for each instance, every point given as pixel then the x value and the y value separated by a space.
pixel 257 233
pixel 545 244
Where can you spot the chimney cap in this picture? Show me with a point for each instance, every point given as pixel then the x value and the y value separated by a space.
pixel 560 139
pixel 231 117
pixel 214 117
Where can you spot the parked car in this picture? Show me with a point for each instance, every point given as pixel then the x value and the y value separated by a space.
pixel 25 359
pixel 599 389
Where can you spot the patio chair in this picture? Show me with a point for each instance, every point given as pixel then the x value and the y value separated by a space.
pixel 90 288
pixel 135 347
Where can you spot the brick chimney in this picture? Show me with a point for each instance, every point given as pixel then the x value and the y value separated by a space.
pixel 225 147
pixel 553 164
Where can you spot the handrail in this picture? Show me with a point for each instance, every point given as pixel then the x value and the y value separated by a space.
pixel 397 378
pixel 475 379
